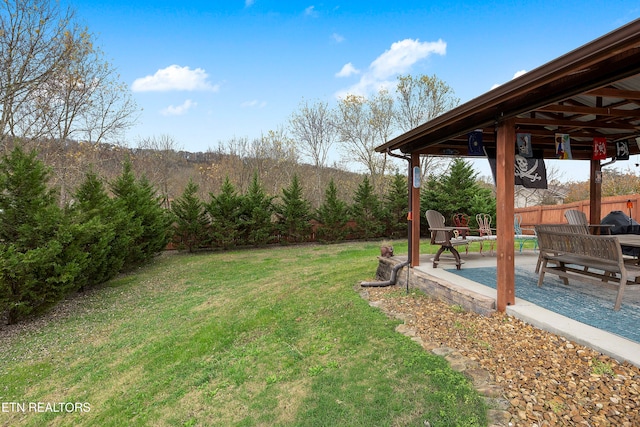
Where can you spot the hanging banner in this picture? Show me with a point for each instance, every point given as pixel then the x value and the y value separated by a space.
pixel 523 142
pixel 622 150
pixel 475 143
pixel 529 172
pixel 599 148
pixel 563 146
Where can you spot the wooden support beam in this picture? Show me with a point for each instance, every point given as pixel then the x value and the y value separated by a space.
pixel 505 197
pixel 582 109
pixel 595 193
pixel 415 215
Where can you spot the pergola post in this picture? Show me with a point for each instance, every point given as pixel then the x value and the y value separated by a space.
pixel 505 198
pixel 414 210
pixel 595 193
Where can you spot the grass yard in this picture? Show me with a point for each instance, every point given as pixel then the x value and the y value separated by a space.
pixel 265 337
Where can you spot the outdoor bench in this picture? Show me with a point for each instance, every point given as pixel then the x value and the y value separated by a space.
pixel 586 258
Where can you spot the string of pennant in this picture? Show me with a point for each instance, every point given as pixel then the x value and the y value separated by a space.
pixel 562 146
pixel 530 170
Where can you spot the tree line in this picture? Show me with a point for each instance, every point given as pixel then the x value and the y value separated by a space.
pixel 49 250
pixel 232 219
pixel 253 218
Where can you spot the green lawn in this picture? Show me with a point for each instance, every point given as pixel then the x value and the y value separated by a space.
pixel 266 337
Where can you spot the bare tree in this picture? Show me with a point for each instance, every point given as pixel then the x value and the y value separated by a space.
pixel 313 127
pixel 112 111
pixel 314 130
pixel 421 99
pixel 360 133
pixel 55 85
pixel 155 158
pixel 54 82
pixel 280 151
pixel 36 43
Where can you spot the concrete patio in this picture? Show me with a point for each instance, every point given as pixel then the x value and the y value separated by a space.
pixel 447 284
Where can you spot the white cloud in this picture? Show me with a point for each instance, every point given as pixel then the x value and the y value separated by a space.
pixel 516 75
pixel 519 73
pixel 249 3
pixel 175 77
pixel 338 38
pixel 396 60
pixel 311 11
pixel 403 55
pixel 179 110
pixel 254 103
pixel 347 70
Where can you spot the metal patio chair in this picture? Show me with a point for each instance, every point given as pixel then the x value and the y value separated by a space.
pixel 520 235
pixel 485 231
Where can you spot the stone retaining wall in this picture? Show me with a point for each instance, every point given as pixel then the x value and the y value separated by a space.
pixel 436 287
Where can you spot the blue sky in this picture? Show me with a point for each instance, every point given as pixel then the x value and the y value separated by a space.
pixel 206 71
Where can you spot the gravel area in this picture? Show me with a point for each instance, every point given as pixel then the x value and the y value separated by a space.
pixel 530 377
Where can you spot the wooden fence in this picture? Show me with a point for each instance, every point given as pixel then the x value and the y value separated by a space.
pixel 554 214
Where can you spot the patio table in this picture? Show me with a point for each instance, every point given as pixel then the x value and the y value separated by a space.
pixel 632 241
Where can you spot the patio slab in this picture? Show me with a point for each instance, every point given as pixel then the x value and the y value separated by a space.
pixel 444 283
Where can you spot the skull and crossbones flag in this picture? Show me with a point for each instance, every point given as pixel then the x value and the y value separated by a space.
pixel 622 150
pixel 529 172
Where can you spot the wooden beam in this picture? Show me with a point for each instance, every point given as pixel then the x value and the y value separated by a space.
pixel 505 197
pixel 603 124
pixel 579 109
pixel 595 193
pixel 615 93
pixel 415 215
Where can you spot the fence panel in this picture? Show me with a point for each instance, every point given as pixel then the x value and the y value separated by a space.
pixel 554 214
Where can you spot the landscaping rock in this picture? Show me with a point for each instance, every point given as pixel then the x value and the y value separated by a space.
pixel 538 377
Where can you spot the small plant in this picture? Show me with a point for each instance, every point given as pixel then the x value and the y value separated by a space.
pixel 556 407
pixel 486 345
pixel 457 308
pixel 272 379
pixel 316 370
pixel 601 368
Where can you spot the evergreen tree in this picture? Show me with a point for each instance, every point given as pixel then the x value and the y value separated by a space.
pixel 224 211
pixel 156 220
pixel 294 214
pixel 367 212
pixel 333 216
pixel 34 271
pixel 150 223
pixel 191 220
pixel 396 207
pixel 106 240
pixel 257 209
pixel 457 191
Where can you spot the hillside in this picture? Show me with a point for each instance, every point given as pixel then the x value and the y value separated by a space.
pixel 170 170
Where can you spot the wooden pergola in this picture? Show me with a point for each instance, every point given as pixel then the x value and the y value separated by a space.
pixel 592 91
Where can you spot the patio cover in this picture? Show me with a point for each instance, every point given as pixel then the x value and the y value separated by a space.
pixel 592 91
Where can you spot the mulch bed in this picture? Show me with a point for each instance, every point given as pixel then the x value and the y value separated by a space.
pixel 545 379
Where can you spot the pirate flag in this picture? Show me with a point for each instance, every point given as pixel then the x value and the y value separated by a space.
pixel 529 172
pixel 622 150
